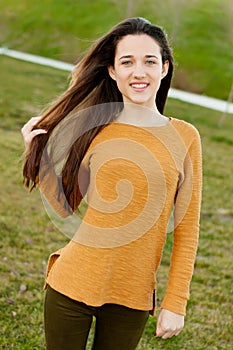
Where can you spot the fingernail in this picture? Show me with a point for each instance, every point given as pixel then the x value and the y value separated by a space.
pixel 155 335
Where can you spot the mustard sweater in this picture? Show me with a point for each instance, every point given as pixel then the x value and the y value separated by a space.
pixel 137 177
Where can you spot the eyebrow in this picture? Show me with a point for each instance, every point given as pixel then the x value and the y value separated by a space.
pixel 130 56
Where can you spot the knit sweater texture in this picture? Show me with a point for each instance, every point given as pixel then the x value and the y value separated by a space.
pixel 135 179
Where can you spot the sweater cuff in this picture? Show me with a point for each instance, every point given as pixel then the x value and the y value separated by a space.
pixel 174 303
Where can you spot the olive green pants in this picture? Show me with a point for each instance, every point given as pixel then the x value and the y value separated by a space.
pixel 68 322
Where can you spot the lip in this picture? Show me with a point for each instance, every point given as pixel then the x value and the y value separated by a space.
pixel 139 85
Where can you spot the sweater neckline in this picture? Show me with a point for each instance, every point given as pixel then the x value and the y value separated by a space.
pixel 168 124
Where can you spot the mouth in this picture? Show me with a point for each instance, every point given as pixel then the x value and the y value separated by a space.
pixel 139 86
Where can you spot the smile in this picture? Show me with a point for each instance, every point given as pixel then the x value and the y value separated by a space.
pixel 139 86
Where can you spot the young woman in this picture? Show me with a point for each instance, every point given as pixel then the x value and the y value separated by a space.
pixel 134 165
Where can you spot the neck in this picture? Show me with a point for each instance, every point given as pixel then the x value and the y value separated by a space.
pixel 141 116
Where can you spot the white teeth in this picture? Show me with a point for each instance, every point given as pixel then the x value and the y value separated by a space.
pixel 139 86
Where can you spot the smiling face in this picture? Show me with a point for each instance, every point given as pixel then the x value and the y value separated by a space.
pixel 138 69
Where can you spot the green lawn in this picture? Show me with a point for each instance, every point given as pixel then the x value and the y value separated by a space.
pixel 199 30
pixel 28 236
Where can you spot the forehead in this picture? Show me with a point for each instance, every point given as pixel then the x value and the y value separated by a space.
pixel 142 44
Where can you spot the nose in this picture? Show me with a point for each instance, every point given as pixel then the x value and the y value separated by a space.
pixel 139 71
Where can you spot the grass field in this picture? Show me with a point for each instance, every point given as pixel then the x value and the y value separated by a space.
pixel 200 32
pixel 28 236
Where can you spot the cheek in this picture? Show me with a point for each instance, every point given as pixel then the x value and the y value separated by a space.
pixel 122 74
pixel 121 86
pixel 156 76
pixel 122 78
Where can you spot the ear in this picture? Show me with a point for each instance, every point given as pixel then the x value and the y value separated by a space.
pixel 111 72
pixel 165 69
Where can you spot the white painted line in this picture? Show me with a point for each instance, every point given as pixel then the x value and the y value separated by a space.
pixel 37 59
pixel 200 100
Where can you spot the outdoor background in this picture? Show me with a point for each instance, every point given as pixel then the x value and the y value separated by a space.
pixel 201 34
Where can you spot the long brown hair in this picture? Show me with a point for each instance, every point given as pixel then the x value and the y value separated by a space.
pixel 91 85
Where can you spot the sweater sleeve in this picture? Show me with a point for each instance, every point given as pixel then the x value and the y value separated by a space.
pixel 51 187
pixel 186 229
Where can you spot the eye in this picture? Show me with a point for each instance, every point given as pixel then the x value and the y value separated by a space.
pixel 150 62
pixel 126 63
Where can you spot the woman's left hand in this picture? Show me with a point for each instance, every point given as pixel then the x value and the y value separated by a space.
pixel 169 324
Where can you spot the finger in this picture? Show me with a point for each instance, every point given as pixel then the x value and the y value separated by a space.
pixel 38 131
pixel 166 332
pixel 35 133
pixel 35 120
pixel 167 335
pixel 28 139
pixel 177 333
pixel 160 332
pixel 30 135
pixel 27 129
pixel 170 334
pixel 30 124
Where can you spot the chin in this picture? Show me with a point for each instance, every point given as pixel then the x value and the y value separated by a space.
pixel 142 103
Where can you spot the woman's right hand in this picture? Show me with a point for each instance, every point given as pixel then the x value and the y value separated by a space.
pixel 28 133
